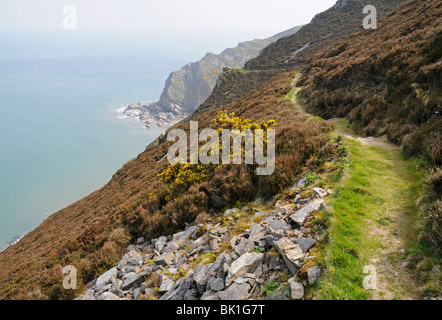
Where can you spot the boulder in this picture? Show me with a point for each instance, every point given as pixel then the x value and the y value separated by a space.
pixel 160 243
pixel 291 253
pixel 248 262
pixel 106 278
pixel 299 216
pixel 279 225
pixel 296 289
pixel 241 245
pixel 132 281
pixel 166 259
pixel 313 273
pixel 236 291
pixel 257 232
pixel 108 296
pixel 166 284
pixel 305 243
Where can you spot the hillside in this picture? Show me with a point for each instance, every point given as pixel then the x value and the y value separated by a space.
pixel 188 87
pixel 94 233
pixel 326 28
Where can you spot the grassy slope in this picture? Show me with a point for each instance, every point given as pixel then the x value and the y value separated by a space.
pixel 371 216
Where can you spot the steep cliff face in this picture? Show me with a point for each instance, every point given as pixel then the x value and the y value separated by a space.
pixel 188 87
pixel 326 28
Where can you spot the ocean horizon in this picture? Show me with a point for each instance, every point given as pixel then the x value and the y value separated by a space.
pixel 61 136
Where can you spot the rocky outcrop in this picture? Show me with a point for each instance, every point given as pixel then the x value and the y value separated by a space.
pixel 214 261
pixel 188 87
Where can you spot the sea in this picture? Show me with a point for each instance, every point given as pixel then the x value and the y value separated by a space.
pixel 61 136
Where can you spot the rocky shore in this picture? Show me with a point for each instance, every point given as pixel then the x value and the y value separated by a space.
pixel 150 114
pixel 257 252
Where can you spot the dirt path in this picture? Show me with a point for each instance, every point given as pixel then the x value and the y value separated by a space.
pixel 387 223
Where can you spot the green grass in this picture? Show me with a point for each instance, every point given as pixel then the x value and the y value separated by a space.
pixel 378 185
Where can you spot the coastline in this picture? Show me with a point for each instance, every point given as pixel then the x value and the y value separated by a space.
pixel 150 114
pixel 10 243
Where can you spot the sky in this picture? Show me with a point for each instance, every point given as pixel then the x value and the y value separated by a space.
pixel 243 19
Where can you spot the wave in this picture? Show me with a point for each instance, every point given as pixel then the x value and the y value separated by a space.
pixel 11 243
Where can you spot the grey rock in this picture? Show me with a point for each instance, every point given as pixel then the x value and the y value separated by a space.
pixel 291 253
pixel 301 183
pixel 89 295
pixel 320 192
pixel 273 263
pixel 136 293
pixel 246 263
pixel 236 292
pixel 140 240
pixel 134 258
pixel 299 216
pixel 132 281
pixel 241 245
pixel 313 273
pixel 257 232
pixel 296 289
pixel 160 243
pixel 108 296
pixel 180 288
pixel 305 243
pixel 216 284
pixel 279 225
pixel 166 284
pixel 106 278
pixel 191 295
pixel 166 259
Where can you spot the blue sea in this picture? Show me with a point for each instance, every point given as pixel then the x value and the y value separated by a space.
pixel 60 137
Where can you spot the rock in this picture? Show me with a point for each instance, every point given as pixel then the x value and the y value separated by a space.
pixel 305 243
pixel 89 295
pixel 299 216
pixel 180 288
pixel 320 192
pixel 106 278
pixel 108 296
pixel 273 263
pixel 166 284
pixel 313 273
pixel 301 183
pixel 216 284
pixel 230 211
pixel 296 289
pixel 241 245
pixel 260 213
pixel 140 240
pixel 246 263
pixel 191 295
pixel 302 202
pixel 257 232
pixel 279 225
pixel 134 258
pixel 210 295
pixel 132 281
pixel 136 293
pixel 184 235
pixel 236 292
pixel 201 275
pixel 291 253
pixel 166 259
pixel 160 243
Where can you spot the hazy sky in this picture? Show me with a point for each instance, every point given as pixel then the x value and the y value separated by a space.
pixel 260 18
